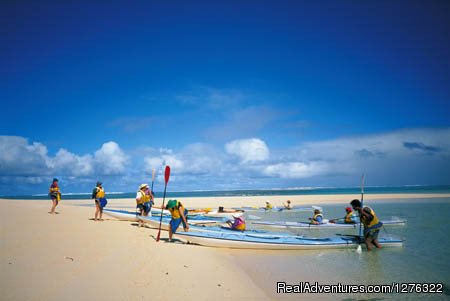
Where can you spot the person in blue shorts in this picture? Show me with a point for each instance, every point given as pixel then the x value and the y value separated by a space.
pixel 179 215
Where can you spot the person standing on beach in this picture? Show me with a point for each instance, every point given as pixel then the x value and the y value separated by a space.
pixel 372 224
pixel 179 215
pixel 55 195
pixel 98 195
pixel 144 201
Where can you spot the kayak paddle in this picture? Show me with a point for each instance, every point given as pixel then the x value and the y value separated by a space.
pixel 359 249
pixel 166 179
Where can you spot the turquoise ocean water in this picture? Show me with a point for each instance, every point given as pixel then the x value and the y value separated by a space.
pixel 424 258
pixel 253 192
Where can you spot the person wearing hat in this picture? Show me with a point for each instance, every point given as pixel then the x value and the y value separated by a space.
pixel 238 223
pixel 55 195
pixel 98 195
pixel 372 224
pixel 288 205
pixel 179 215
pixel 350 217
pixel 317 219
pixel 144 201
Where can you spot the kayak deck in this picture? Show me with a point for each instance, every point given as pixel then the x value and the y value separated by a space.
pixel 228 240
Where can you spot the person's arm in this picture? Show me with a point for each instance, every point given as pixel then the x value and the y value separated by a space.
pixel 364 213
pixel 94 193
pixel 138 196
pixel 181 209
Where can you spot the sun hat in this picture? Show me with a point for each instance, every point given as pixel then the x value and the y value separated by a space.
pixel 99 183
pixel 171 204
pixel 348 209
pixel 143 185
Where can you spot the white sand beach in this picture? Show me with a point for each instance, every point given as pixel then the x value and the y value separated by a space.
pixel 68 256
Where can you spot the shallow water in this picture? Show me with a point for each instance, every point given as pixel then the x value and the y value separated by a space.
pixel 424 257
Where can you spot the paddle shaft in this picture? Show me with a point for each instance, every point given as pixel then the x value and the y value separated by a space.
pixel 362 205
pixel 166 180
pixel 162 209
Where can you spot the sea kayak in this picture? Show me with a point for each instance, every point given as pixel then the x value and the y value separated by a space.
pixel 328 225
pixel 278 209
pixel 249 241
pixel 196 226
pixel 205 213
pixel 133 217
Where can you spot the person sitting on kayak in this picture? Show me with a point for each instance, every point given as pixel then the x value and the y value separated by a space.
pixel 268 206
pixel 372 224
pixel 144 201
pixel 317 219
pixel 350 217
pixel 98 194
pixel 179 215
pixel 55 195
pixel 238 223
pixel 288 205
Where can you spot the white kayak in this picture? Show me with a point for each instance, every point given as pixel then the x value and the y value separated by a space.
pixel 327 225
pixel 279 209
pixel 207 213
pixel 133 217
pixel 197 225
pixel 235 241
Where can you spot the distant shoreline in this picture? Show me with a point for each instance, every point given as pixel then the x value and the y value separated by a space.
pixel 259 201
pixel 374 191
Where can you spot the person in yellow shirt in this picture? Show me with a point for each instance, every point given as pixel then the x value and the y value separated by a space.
pixel 179 215
pixel 372 224
pixel 55 195
pixel 144 201
pixel 98 195
pixel 238 224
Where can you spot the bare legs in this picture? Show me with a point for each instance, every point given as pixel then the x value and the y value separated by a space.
pixel 55 203
pixel 98 212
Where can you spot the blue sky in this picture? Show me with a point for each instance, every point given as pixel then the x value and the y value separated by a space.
pixel 231 95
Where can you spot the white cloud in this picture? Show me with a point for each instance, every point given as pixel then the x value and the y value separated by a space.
pixel 414 156
pixel 110 159
pixel 248 150
pixel 20 158
pixel 66 162
pixel 295 170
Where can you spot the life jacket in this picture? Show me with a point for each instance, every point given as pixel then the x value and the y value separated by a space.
pixel 54 192
pixel 374 223
pixel 316 216
pixel 238 224
pixel 175 211
pixel 144 198
pixel 54 189
pixel 269 206
pixel 349 218
pixel 100 193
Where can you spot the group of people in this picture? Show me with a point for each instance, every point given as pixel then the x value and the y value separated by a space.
pixel 145 201
pixel 367 217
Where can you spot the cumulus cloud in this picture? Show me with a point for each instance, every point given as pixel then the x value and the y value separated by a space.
pixel 248 150
pixel 110 159
pixel 295 170
pixel 20 158
pixel 411 156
